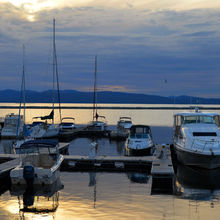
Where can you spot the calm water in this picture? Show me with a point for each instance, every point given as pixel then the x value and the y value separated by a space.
pixel 120 195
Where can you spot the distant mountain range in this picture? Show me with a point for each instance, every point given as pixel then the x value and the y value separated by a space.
pixel 72 96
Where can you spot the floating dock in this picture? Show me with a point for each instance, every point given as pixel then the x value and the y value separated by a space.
pixel 162 170
pixel 159 165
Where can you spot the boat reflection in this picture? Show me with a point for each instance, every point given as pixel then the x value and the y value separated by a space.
pixel 7 145
pixel 197 184
pixel 138 177
pixel 37 200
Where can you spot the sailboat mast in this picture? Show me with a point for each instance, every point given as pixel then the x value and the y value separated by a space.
pixel 23 82
pixel 94 93
pixel 55 73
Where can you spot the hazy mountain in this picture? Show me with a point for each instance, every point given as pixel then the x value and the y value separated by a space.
pixel 72 96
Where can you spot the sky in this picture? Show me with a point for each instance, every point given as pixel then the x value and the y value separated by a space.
pixel 167 48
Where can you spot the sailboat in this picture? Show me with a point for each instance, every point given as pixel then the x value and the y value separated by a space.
pixel 42 129
pixel 98 123
pixel 14 124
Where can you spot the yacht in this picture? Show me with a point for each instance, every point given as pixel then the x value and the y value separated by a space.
pixel 124 123
pixel 40 162
pixel 13 126
pixel 139 141
pixel 196 139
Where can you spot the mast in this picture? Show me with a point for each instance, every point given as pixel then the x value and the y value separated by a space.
pixel 23 78
pixel 22 93
pixel 55 74
pixel 95 114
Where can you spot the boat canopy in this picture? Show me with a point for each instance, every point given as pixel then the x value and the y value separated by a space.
pixel 125 118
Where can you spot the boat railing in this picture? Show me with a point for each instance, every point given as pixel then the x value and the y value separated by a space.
pixel 200 144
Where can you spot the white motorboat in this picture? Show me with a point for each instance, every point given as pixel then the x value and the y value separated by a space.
pixel 139 141
pixel 13 126
pixel 124 123
pixel 40 162
pixel 196 139
pixel 67 124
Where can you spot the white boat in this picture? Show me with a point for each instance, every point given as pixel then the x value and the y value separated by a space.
pixel 139 141
pixel 196 139
pixel 67 124
pixel 13 126
pixel 124 123
pixel 44 130
pixel 40 162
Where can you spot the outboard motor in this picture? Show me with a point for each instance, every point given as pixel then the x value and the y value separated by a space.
pixel 28 174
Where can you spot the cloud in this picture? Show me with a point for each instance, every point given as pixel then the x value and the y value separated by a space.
pixel 138 43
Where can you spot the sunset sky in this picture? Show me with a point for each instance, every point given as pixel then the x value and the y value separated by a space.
pixel 169 47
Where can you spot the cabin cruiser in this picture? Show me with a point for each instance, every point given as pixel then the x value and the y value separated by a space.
pixel 13 126
pixel 124 123
pixel 67 124
pixel 196 139
pixel 139 141
pixel 39 163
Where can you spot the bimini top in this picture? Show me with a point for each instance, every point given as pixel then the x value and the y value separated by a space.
pixel 39 144
pixel 122 118
pixel 212 114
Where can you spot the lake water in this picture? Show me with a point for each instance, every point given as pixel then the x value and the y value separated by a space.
pixel 102 195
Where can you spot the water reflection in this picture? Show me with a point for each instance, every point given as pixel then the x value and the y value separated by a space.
pixel 197 184
pixel 37 201
pixel 7 146
pixel 138 177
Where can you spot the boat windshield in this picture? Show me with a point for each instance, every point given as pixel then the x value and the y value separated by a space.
pixel 139 132
pixel 37 150
pixel 198 119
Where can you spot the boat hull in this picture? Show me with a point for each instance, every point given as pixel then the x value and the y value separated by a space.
pixel 196 159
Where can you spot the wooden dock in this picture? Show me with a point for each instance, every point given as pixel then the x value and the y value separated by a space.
pixel 108 163
pixel 162 170
pixel 159 165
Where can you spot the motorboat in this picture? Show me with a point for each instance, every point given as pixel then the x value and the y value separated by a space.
pixel 40 162
pixel 196 139
pixel 139 141
pixel 13 126
pixel 67 124
pixel 124 123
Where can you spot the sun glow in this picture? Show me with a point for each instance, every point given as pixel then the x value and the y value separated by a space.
pixel 31 7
